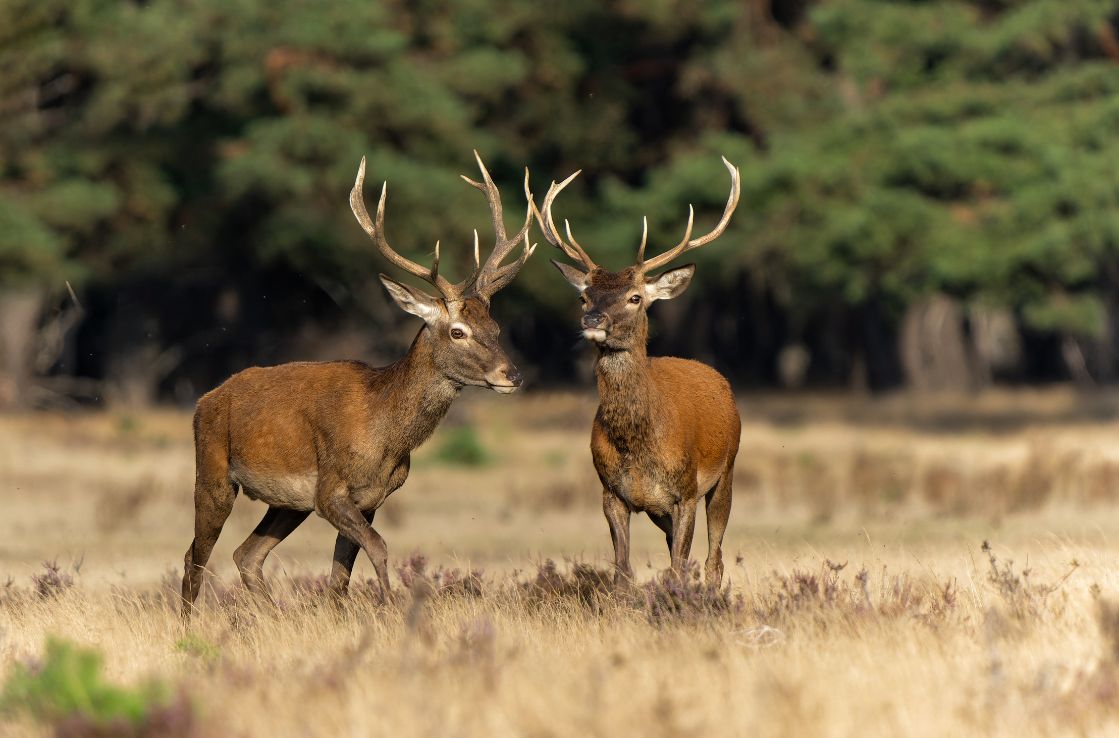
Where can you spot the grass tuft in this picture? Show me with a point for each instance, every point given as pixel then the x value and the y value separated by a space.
pixel 53 580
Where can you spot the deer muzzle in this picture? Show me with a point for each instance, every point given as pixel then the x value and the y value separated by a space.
pixel 594 326
pixel 505 379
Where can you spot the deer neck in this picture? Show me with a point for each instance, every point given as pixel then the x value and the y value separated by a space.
pixel 418 394
pixel 628 410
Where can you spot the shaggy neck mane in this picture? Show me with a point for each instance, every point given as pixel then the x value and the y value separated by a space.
pixel 627 407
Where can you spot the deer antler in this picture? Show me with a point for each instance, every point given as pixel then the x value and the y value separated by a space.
pixel 687 245
pixel 493 276
pixel 376 231
pixel 570 247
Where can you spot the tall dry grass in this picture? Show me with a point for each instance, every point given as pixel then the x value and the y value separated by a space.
pixel 861 598
pixel 884 649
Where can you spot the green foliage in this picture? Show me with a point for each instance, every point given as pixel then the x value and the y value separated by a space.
pixel 69 684
pixel 889 148
pixel 1081 315
pixel 460 446
pixel 28 248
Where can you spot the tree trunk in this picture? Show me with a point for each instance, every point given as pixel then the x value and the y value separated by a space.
pixel 1108 361
pixel 19 324
pixel 996 344
pixel 933 348
pixel 133 376
pixel 1072 353
pixel 136 362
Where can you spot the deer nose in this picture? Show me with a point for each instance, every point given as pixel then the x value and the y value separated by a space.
pixel 594 319
pixel 513 374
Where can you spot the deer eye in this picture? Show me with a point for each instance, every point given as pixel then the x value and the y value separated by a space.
pixel 458 334
pixel 635 299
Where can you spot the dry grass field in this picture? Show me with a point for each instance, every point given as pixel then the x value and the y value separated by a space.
pixel 861 598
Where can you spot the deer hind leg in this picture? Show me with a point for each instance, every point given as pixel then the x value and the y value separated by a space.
pixel 617 515
pixel 345 554
pixel 718 513
pixel 277 524
pixel 341 512
pixel 213 501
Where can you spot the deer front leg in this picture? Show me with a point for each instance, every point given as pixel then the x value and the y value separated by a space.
pixel 683 527
pixel 345 554
pixel 332 501
pixel 617 515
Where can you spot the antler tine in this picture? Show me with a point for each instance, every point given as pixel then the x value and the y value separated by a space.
pixel 551 233
pixel 489 273
pixel 475 272
pixel 492 195
pixel 376 231
pixel 571 236
pixel 528 215
pixel 503 275
pixel 644 238
pixel 687 245
pixel 459 289
pixel 677 249
pixel 453 291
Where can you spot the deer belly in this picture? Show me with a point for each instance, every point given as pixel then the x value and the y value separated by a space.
pixel 286 490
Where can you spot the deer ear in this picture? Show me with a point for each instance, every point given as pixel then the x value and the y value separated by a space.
pixel 670 284
pixel 414 301
pixel 574 275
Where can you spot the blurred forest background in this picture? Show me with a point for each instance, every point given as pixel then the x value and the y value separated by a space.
pixel 930 189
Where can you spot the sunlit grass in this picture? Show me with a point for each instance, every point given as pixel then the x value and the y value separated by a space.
pixel 860 598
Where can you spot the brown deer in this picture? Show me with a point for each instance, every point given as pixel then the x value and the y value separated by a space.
pixel 666 432
pixel 335 437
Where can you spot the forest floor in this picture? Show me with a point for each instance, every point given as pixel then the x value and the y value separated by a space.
pixel 898 566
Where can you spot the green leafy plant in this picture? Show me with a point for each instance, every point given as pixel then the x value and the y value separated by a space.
pixel 462 447
pixel 69 685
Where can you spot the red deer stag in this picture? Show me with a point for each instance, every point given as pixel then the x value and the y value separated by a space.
pixel 336 437
pixel 667 429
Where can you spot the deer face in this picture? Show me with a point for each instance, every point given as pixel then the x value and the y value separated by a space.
pixel 463 335
pixel 615 304
pixel 465 346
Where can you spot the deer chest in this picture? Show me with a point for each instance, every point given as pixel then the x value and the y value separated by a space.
pixel 373 480
pixel 647 489
pixel 645 475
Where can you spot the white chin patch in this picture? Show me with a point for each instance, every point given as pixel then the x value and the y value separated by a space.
pixel 594 334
